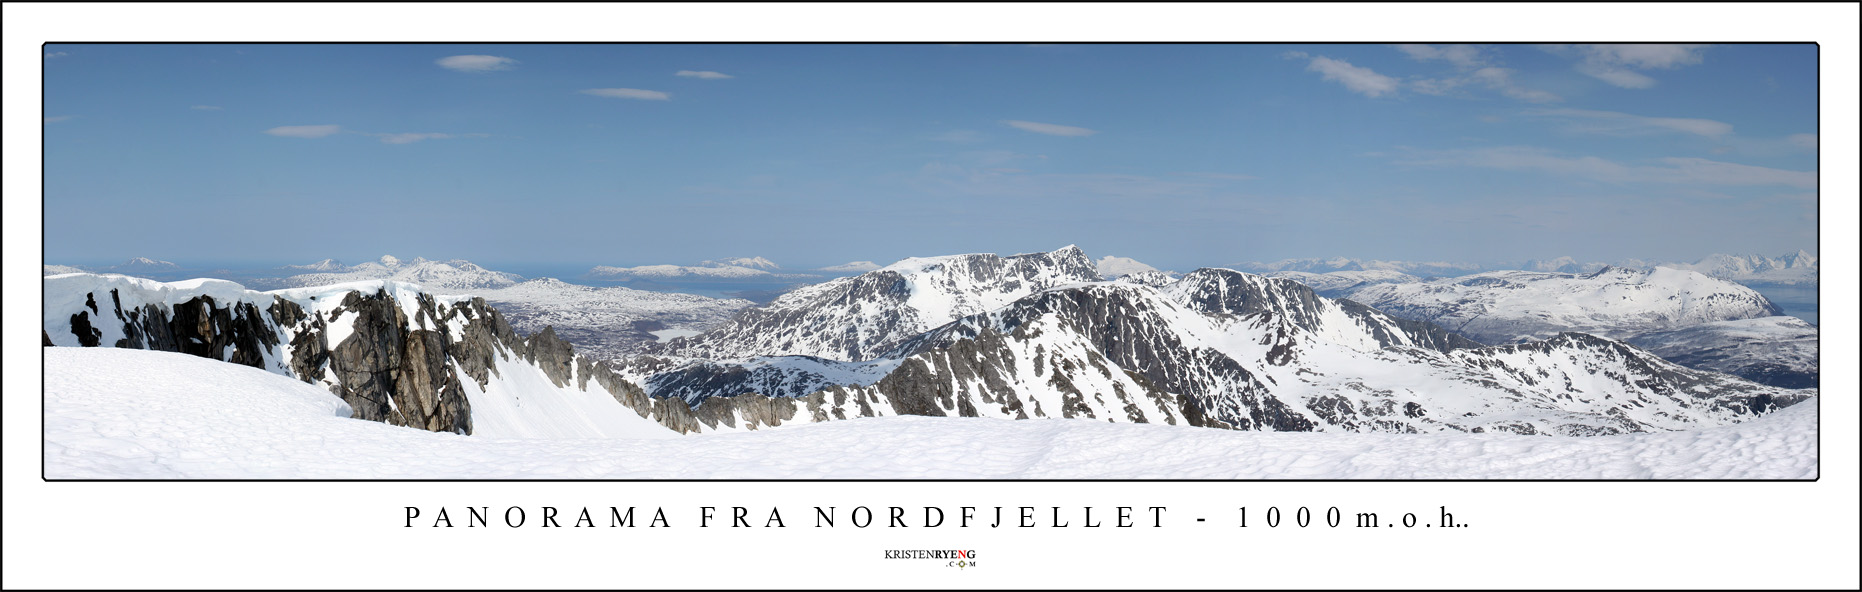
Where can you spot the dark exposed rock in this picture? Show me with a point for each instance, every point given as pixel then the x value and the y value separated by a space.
pixel 88 336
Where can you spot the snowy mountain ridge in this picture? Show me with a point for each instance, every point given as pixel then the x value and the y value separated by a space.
pixel 453 276
pixel 1509 306
pixel 855 318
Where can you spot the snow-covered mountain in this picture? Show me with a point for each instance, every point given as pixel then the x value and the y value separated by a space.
pixel 605 322
pixel 1511 306
pixel 1779 351
pixel 223 421
pixel 438 276
pixel 1560 265
pixel 326 265
pixel 1217 348
pixel 749 262
pixel 1337 284
pixel 1794 268
pixel 137 265
pixel 1417 268
pixel 851 267
pixel 390 352
pixel 1024 336
pixel 395 354
pixel 61 269
pixel 855 318
pixel 665 272
pixel 1111 267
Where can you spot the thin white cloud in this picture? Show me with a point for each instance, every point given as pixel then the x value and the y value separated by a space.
pixel 628 93
pixel 703 74
pixel 206 107
pixel 1624 124
pixel 1501 79
pixel 58 118
pixel 1676 171
pixel 304 131
pixel 476 63
pixel 56 54
pixel 1466 57
pixel 1049 128
pixel 1617 64
pixel 1644 55
pixel 409 138
pixel 1807 141
pixel 1355 78
pixel 1616 76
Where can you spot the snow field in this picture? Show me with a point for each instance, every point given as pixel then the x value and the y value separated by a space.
pixel 112 413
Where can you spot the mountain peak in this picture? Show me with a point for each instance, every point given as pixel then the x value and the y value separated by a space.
pixel 749 262
pixel 147 262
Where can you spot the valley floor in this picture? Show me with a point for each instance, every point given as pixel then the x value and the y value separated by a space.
pixel 117 413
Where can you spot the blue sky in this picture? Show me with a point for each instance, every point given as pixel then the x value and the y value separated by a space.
pixel 1176 155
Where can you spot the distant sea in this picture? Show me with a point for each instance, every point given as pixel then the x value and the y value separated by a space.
pixel 1797 300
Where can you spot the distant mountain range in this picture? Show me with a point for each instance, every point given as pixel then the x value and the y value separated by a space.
pixel 1795 268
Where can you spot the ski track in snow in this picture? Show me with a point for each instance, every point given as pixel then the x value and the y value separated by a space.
pixel 115 413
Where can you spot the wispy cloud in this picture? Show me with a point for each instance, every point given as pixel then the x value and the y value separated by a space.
pixel 1678 171
pixel 1357 79
pixel 476 63
pixel 1049 128
pixel 628 93
pixel 1617 64
pixel 305 131
pixel 58 118
pixel 1476 69
pixel 206 107
pixel 1645 55
pixel 1806 141
pixel 56 54
pixel 409 138
pixel 1624 124
pixel 1501 79
pixel 703 74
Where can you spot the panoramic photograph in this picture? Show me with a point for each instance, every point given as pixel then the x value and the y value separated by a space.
pixel 924 261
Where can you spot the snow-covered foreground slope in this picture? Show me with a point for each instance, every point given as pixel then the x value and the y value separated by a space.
pixel 114 414
pixel 1512 306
